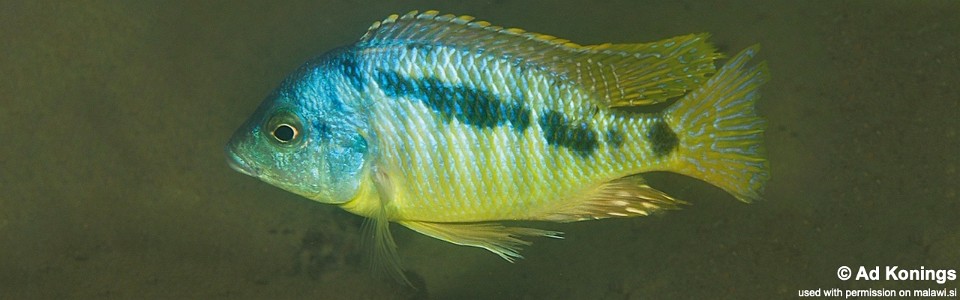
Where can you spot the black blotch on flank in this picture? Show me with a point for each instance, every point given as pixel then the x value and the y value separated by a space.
pixel 615 138
pixel 577 137
pixel 351 69
pixel 663 139
pixel 468 105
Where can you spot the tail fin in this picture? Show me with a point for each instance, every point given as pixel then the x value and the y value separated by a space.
pixel 720 131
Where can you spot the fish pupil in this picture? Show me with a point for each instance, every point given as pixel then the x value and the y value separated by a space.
pixel 284 133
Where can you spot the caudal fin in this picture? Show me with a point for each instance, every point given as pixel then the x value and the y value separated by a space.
pixel 721 135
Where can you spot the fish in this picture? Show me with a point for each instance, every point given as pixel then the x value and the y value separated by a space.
pixel 455 128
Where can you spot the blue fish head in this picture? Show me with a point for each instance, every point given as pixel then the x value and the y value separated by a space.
pixel 305 138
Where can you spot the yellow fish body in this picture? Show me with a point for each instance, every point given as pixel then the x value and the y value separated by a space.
pixel 446 125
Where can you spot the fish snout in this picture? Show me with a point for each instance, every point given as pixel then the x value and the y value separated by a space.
pixel 237 162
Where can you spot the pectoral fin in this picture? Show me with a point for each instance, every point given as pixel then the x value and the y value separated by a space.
pixel 625 197
pixel 499 239
pixel 384 256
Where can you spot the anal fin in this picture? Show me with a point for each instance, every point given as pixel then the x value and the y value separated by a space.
pixel 624 197
pixel 502 240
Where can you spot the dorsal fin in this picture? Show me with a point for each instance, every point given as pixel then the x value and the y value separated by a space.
pixel 619 74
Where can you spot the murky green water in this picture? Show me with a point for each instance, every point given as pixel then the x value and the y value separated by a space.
pixel 114 185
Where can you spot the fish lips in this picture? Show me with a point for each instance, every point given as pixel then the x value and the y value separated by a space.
pixel 237 163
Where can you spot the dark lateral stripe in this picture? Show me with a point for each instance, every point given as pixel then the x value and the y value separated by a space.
pixel 558 131
pixel 663 140
pixel 614 138
pixel 351 70
pixel 468 105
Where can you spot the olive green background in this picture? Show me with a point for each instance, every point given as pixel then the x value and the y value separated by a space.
pixel 113 181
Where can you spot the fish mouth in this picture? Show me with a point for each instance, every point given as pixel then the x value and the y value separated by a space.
pixel 238 164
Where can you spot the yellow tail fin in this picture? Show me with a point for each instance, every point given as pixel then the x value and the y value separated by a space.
pixel 721 135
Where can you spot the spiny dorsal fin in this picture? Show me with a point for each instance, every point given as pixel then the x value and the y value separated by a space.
pixel 619 74
pixel 624 197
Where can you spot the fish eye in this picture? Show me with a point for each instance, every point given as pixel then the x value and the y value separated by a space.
pixel 284 128
pixel 285 133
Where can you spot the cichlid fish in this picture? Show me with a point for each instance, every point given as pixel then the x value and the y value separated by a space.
pixel 447 125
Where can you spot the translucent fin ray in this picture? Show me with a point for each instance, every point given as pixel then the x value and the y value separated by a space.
pixel 618 74
pixel 383 256
pixel 501 240
pixel 624 197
